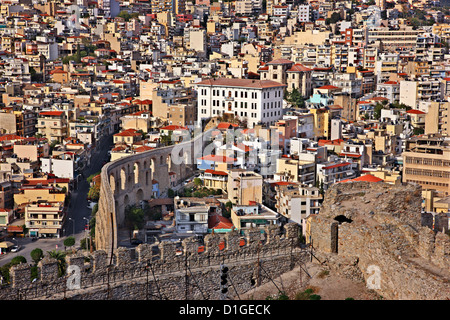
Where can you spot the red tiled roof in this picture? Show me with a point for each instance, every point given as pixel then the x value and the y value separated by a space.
pixel 366 178
pixel 328 87
pixel 242 83
pixel 51 113
pixel 337 165
pixel 219 222
pixel 219 173
pixel 128 132
pixel 299 68
pixel 8 137
pixel 215 158
pixel 226 125
pixel 415 111
pixel 173 127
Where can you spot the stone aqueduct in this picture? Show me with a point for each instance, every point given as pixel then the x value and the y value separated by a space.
pixel 128 180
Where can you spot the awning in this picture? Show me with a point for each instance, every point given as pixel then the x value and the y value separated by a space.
pixel 6 244
pixel 15 229
pixel 41 231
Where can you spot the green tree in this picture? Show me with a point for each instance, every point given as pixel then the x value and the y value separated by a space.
pixel 198 182
pixel 377 111
pixel 295 98
pixel 18 260
pixel 69 242
pixel 134 218
pixel 125 15
pixel 36 255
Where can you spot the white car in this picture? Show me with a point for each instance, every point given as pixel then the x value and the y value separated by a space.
pixel 15 248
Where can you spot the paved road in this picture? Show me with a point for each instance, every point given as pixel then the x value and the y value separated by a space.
pixel 77 211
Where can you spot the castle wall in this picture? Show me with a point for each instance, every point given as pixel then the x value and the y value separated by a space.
pixel 160 271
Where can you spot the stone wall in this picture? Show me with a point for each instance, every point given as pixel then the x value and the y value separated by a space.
pixel 165 270
pixel 383 231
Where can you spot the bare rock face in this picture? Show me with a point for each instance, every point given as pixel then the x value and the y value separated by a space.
pixel 381 227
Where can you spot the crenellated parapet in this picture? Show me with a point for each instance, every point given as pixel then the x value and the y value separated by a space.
pixel 165 260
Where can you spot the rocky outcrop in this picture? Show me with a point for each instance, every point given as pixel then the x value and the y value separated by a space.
pixel 377 227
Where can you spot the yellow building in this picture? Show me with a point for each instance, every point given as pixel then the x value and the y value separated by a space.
pixel 38 193
pixel 213 179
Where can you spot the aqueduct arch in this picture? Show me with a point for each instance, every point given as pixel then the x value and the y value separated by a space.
pixel 128 180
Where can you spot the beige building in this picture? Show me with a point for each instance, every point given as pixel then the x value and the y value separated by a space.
pixel 45 219
pixel 293 75
pixel 296 202
pixel 244 186
pixel 296 170
pixel 437 119
pixel 245 217
pixel 314 37
pixel 52 125
pixel 426 161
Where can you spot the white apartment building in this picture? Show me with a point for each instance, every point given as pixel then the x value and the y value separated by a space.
pixel 304 13
pixel 258 101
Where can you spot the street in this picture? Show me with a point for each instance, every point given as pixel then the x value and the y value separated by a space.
pixel 77 211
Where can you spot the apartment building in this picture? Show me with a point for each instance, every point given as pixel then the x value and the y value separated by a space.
pixel 244 186
pixel 191 215
pixel 335 171
pixel 246 217
pixel 404 37
pixel 52 125
pixel 411 92
pixel 258 101
pixel 296 169
pixel 437 118
pixel 426 161
pixel 45 219
pixel 296 202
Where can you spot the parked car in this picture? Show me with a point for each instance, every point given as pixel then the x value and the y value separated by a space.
pixel 34 238
pixel 15 248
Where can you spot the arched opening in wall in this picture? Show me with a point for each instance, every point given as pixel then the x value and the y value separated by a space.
pixel 112 183
pixel 169 162
pixel 341 219
pixel 126 200
pixel 187 158
pixel 334 237
pixel 139 195
pixel 123 179
pixel 161 160
pixel 153 167
pixel 137 170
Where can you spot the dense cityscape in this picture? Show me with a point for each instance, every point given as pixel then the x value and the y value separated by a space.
pixel 314 126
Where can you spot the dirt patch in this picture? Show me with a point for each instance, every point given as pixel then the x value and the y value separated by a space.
pixel 326 284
